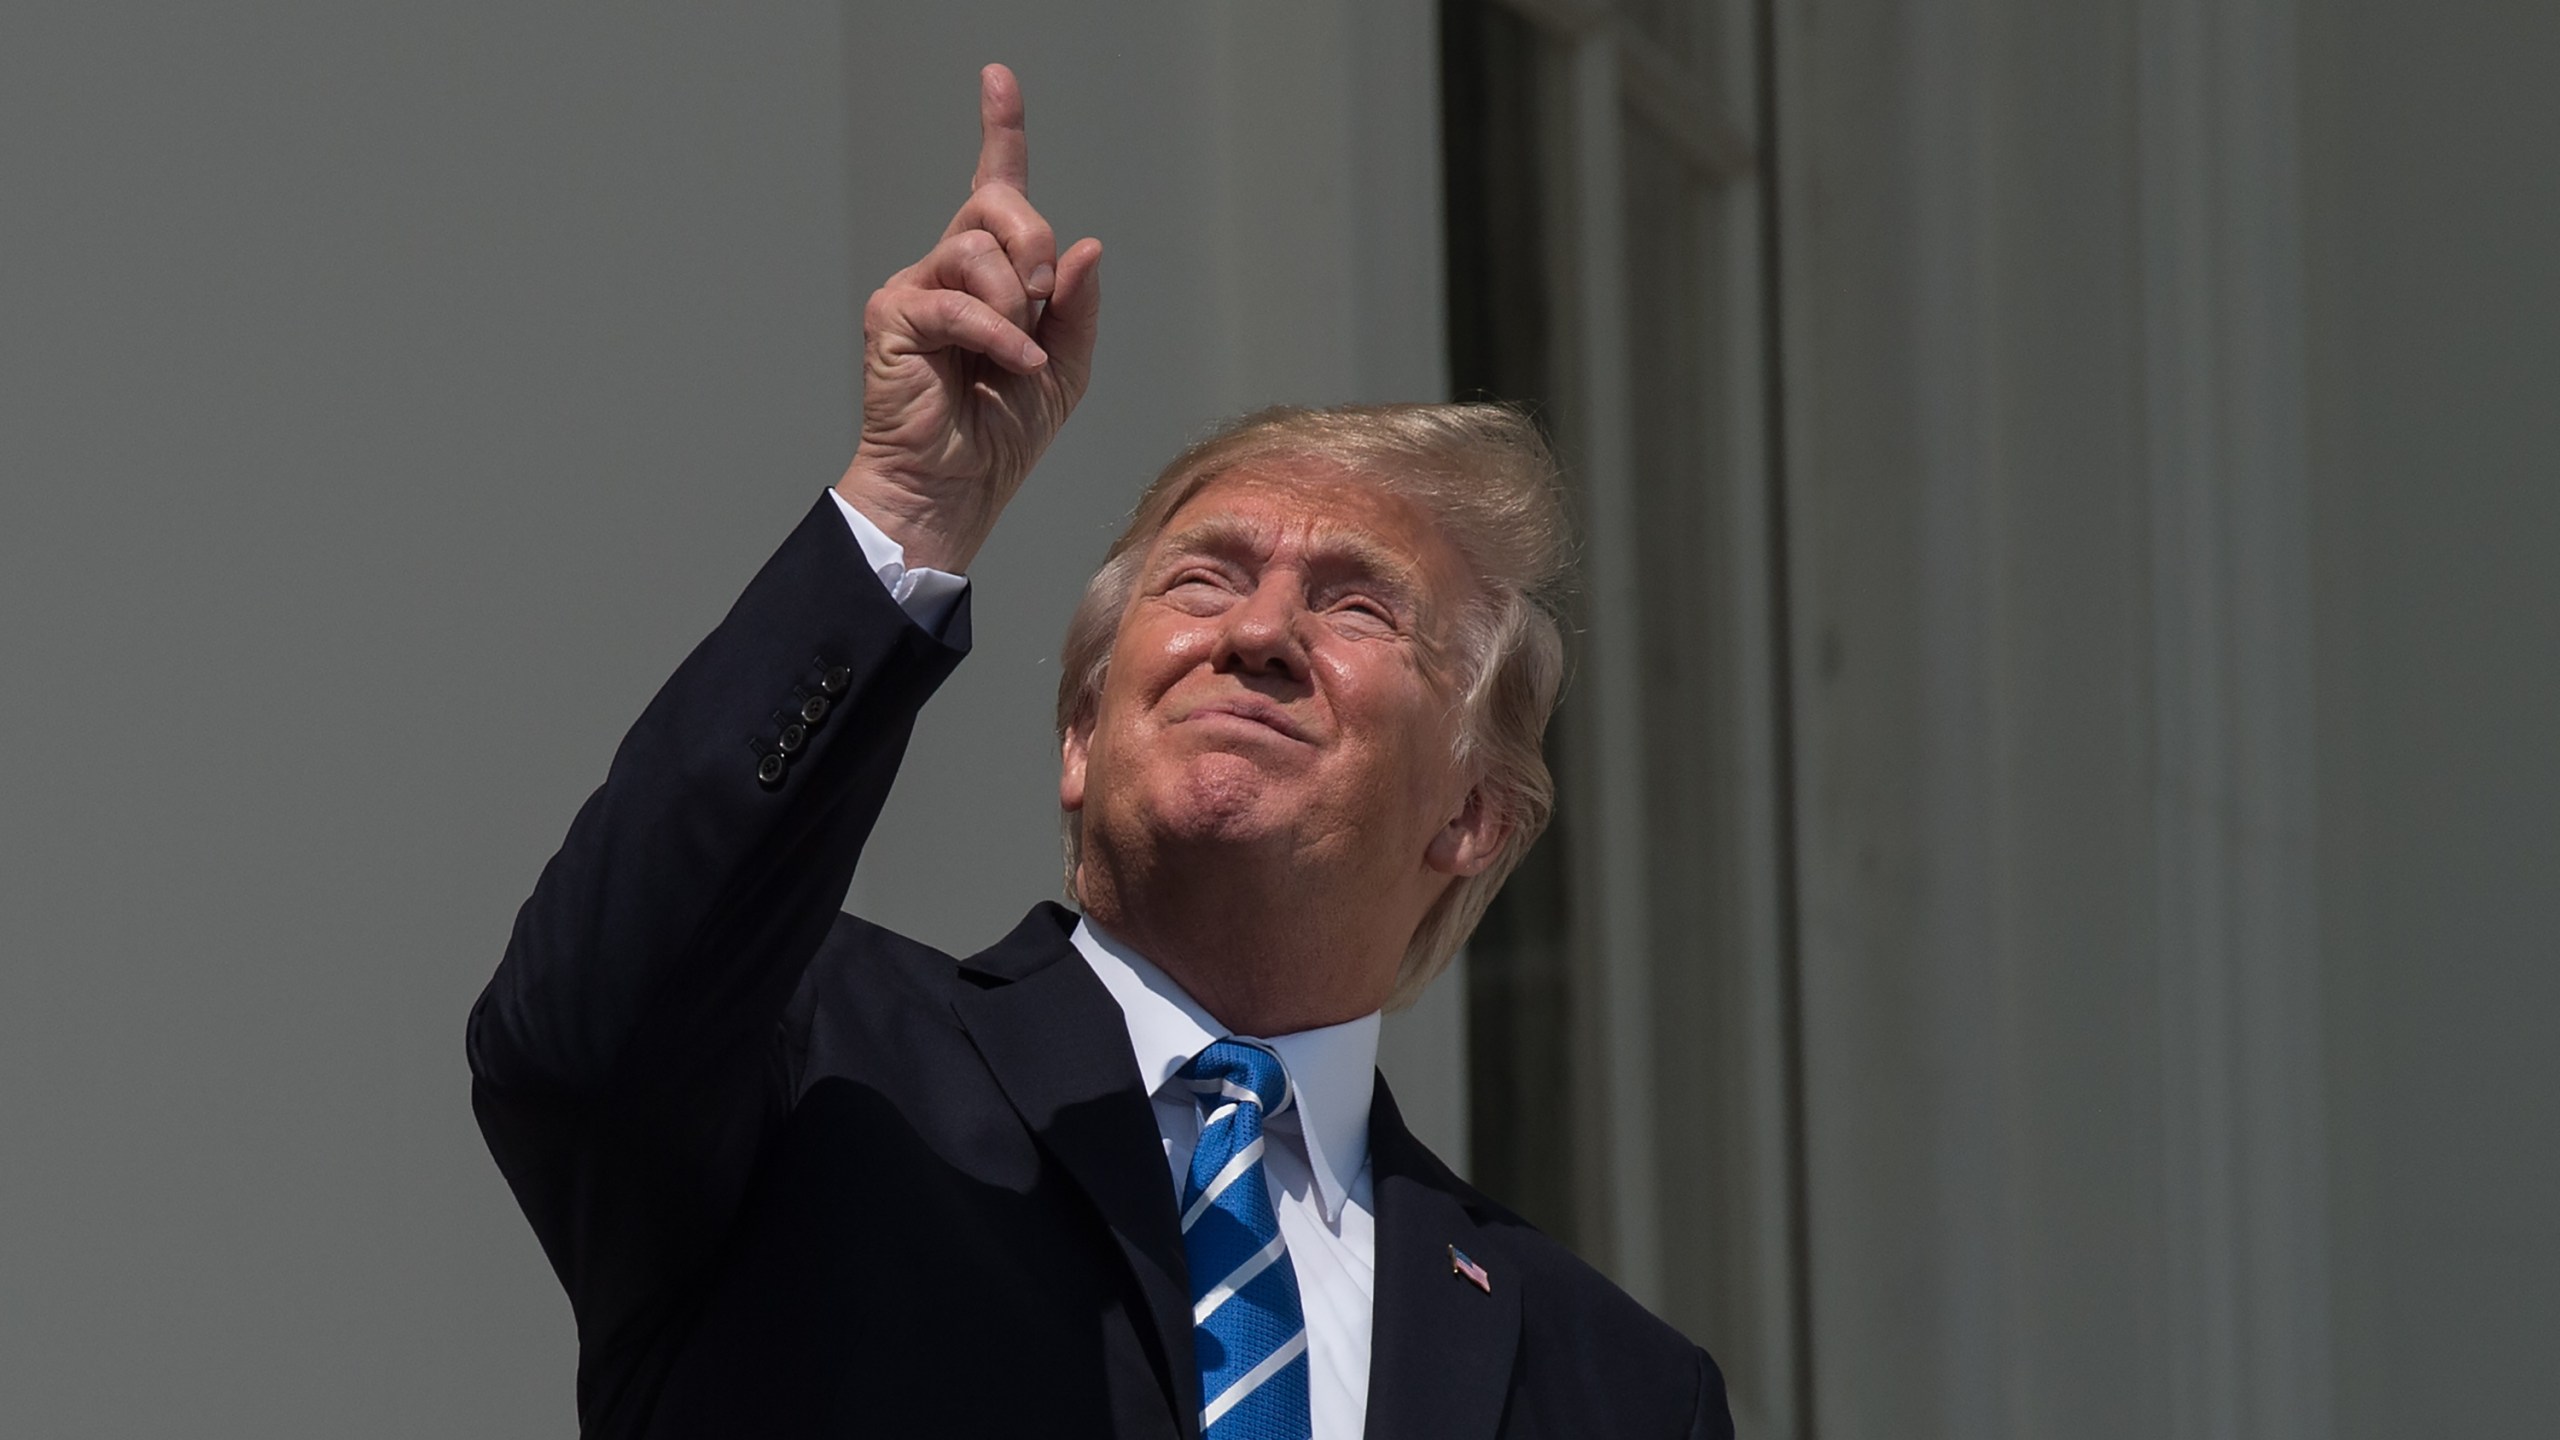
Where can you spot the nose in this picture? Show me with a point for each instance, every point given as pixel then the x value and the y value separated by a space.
pixel 1261 635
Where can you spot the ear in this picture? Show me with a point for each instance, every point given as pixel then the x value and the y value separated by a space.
pixel 1468 845
pixel 1071 757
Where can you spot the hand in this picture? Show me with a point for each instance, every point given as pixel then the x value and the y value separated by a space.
pixel 973 356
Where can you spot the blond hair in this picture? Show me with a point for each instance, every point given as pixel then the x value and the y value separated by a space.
pixel 1486 478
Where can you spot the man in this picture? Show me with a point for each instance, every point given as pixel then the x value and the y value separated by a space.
pixel 1125 1174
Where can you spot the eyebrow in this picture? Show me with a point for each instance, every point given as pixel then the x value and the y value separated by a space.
pixel 1227 537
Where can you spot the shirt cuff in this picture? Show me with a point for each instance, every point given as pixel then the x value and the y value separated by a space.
pixel 926 594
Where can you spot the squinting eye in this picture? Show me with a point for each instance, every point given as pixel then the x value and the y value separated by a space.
pixel 1197 588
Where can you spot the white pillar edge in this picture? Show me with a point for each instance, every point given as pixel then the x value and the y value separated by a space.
pixel 2244 1179
pixel 1613 867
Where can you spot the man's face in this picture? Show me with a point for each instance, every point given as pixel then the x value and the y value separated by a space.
pixel 1279 689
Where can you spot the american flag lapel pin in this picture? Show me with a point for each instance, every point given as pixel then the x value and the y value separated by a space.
pixel 1461 1266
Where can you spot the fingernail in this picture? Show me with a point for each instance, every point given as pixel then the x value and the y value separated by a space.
pixel 1042 277
pixel 1033 355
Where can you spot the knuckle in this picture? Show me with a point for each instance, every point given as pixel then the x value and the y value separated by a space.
pixel 1024 224
pixel 1013 214
pixel 990 270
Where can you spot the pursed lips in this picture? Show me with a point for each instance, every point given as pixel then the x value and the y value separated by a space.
pixel 1260 712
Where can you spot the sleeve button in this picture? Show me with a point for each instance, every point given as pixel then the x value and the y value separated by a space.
pixel 813 709
pixel 837 679
pixel 791 739
pixel 769 770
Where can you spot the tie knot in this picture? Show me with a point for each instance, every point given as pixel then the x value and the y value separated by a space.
pixel 1238 1071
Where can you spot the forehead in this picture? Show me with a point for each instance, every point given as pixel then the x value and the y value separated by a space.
pixel 1321 508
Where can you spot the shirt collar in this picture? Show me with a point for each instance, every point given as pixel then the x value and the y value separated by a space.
pixel 1333 1070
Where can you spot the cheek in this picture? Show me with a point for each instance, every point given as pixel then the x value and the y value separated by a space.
pixel 1148 661
pixel 1406 723
pixel 1163 650
pixel 1372 673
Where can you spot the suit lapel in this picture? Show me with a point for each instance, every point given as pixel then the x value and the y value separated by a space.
pixel 1058 1045
pixel 1440 1348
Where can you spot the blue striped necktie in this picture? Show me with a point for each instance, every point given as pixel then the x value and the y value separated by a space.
pixel 1249 1333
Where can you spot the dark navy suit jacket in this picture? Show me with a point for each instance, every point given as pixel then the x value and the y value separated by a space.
pixel 802 1176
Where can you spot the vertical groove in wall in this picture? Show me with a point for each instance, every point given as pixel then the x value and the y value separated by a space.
pixel 1782 719
pixel 2235 814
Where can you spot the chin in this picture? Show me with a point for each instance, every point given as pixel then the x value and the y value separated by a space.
pixel 1221 798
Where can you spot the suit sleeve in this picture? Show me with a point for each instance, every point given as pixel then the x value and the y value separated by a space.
pixel 1713 1418
pixel 625 1059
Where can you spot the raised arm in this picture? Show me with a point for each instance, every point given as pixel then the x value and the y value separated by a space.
pixel 625 1061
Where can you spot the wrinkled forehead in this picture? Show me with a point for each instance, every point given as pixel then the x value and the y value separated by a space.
pixel 1323 514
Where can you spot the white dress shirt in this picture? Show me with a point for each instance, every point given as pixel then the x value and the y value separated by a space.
pixel 926 594
pixel 1316 1158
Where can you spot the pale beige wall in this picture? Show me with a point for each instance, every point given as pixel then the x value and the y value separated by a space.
pixel 388 397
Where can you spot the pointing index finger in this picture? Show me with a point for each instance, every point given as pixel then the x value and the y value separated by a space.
pixel 1004 151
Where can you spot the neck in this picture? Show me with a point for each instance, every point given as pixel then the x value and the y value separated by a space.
pixel 1265 950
